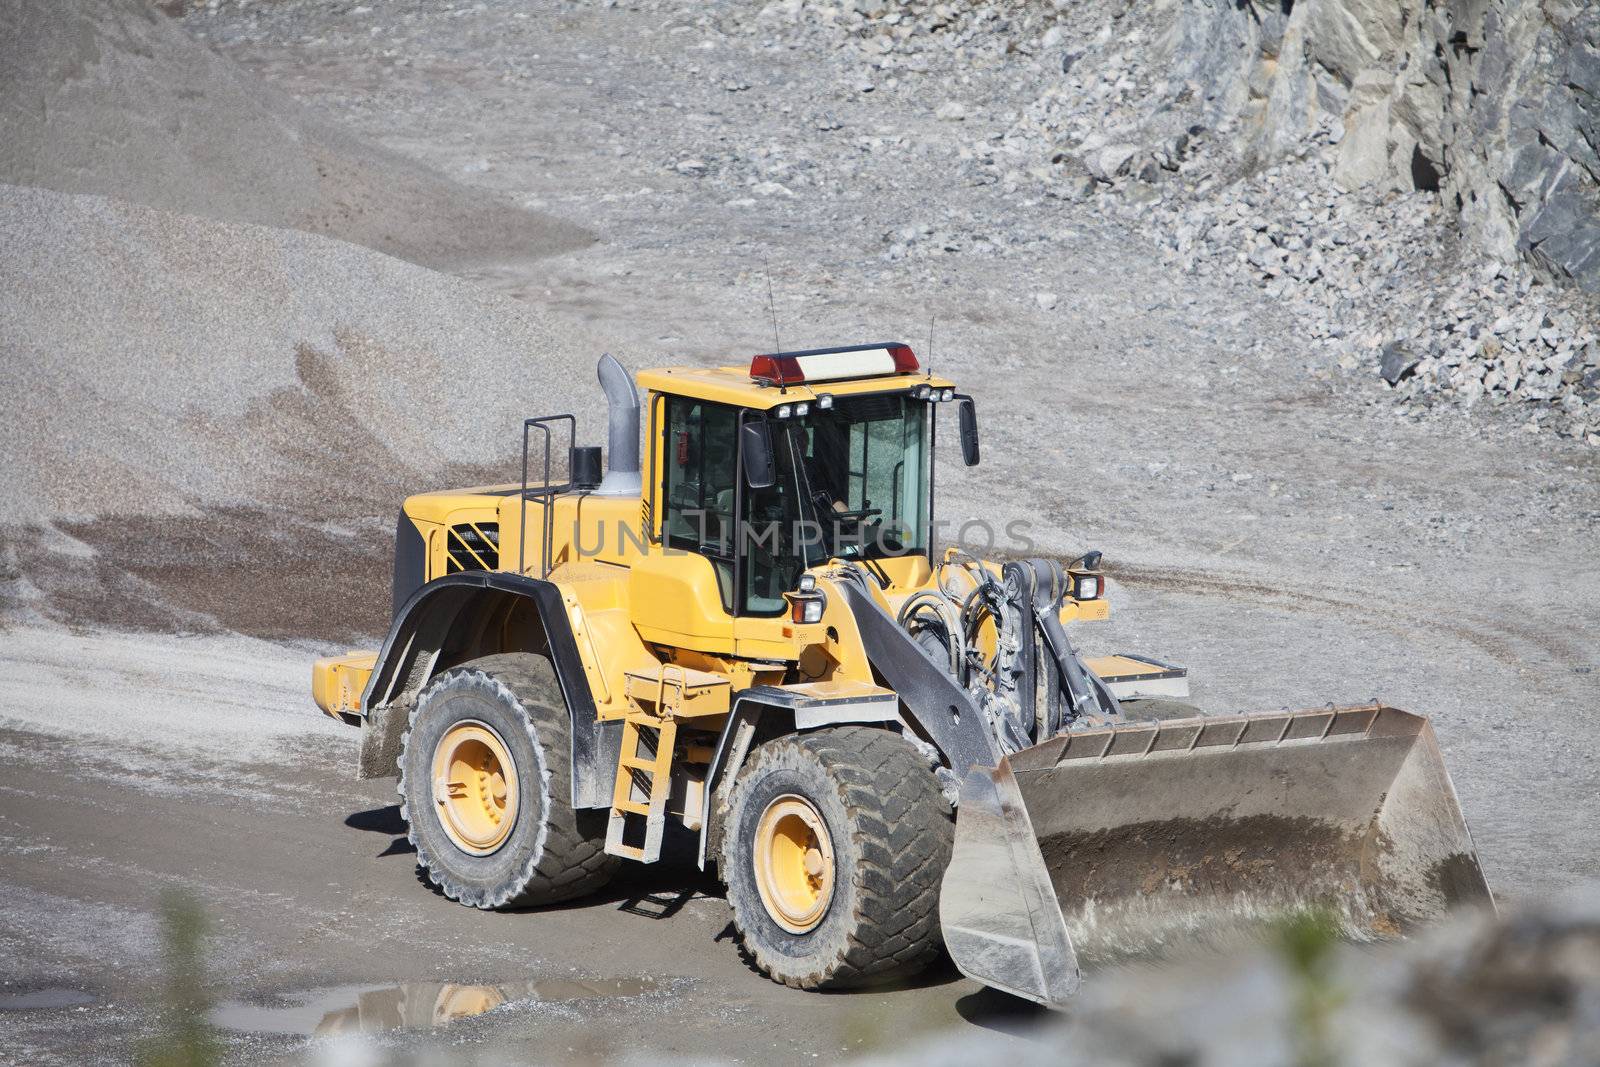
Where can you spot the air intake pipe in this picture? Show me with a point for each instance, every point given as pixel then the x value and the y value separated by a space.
pixel 622 443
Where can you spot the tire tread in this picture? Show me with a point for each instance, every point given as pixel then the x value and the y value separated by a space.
pixel 573 862
pixel 903 835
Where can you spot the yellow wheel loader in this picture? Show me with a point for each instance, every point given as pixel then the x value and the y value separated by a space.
pixel 882 747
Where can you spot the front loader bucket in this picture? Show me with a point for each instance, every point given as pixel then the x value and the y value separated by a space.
pixel 1139 839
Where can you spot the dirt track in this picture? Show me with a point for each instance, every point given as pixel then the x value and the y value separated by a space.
pixel 1267 525
pixel 193 762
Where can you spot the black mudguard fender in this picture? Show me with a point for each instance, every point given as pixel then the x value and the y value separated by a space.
pixel 450 613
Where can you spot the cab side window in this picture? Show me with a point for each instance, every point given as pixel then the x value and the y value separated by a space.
pixel 700 470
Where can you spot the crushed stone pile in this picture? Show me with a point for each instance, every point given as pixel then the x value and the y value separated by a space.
pixel 157 362
pixel 112 97
pixel 215 396
pixel 217 421
pixel 1404 244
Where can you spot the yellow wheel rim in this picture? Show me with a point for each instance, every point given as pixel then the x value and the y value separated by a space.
pixel 794 863
pixel 475 787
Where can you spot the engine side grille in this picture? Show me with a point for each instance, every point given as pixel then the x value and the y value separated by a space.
pixel 473 546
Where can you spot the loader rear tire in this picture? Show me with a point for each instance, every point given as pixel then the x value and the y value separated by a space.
pixel 488 713
pixel 874 815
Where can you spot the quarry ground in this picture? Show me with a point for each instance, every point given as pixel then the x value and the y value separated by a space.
pixel 1276 528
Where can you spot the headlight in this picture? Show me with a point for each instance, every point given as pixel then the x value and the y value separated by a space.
pixel 806 607
pixel 1087 587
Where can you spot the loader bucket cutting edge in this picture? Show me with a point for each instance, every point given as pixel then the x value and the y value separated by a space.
pixel 1141 840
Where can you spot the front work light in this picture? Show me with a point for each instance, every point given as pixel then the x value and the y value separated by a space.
pixel 806 608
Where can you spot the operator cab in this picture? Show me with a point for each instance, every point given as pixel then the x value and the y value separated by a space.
pixel 801 458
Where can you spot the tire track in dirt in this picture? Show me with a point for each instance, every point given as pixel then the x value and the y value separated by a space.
pixel 1502 641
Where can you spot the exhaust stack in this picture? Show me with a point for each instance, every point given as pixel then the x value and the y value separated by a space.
pixel 622 436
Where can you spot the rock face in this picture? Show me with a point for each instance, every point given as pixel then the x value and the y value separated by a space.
pixel 1494 104
pixel 1412 182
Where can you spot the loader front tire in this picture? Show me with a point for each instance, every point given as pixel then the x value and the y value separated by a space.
pixel 485 787
pixel 833 850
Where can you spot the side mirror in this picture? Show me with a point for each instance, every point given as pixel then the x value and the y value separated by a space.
pixel 755 455
pixel 967 412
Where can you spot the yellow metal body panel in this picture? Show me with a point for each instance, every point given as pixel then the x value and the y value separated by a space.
pixel 840 654
pixel 439 507
pixel 670 690
pixel 741 673
pixel 584 528
pixel 596 599
pixel 631 601
pixel 1122 667
pixel 733 385
pixel 337 682
pixel 675 601
pixel 441 539
pixel 1085 610
pixel 774 638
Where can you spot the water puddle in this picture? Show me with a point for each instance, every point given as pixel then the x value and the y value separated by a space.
pixel 351 1009
pixel 46 1000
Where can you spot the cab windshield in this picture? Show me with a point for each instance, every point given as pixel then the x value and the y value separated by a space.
pixel 851 483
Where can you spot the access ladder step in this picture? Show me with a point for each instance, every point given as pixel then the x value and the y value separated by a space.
pixel 643 784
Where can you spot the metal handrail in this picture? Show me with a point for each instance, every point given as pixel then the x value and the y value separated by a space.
pixel 544 493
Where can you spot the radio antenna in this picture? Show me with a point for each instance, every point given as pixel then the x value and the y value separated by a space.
pixel 772 309
pixel 931 317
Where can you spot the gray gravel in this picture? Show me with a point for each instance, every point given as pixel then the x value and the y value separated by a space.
pixel 1171 118
pixel 1275 523
pixel 158 363
pixel 109 97
pixel 1271 519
